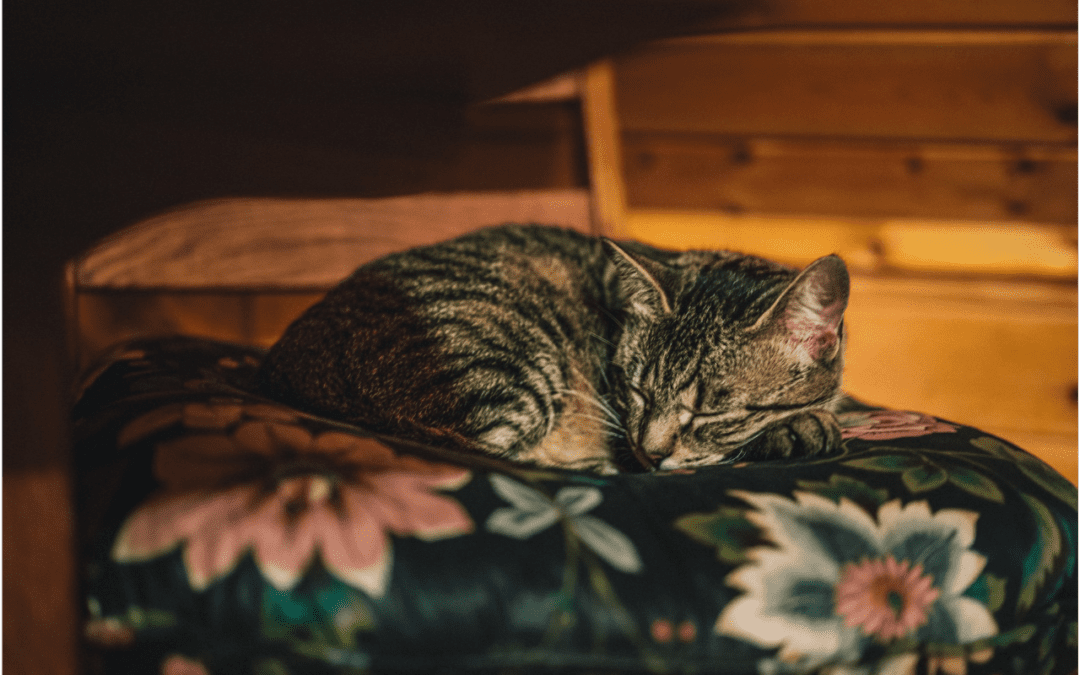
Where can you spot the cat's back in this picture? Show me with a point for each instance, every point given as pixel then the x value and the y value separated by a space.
pixel 428 335
pixel 501 259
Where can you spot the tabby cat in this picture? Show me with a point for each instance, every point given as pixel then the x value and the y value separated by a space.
pixel 548 347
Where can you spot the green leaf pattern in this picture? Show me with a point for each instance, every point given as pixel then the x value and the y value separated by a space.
pixel 1043 555
pixel 920 473
pixel 1036 470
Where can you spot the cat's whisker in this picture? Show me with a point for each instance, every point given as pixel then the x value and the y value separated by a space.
pixel 599 403
pixel 603 339
pixel 613 318
pixel 607 416
pixel 611 414
pixel 601 420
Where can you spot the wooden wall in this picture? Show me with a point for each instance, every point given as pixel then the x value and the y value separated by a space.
pixel 869 124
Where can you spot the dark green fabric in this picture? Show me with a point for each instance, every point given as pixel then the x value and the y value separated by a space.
pixel 224 533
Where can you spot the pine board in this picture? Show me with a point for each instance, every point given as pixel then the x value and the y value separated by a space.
pixel 851 178
pixel 952 90
pixel 1000 356
pixel 301 243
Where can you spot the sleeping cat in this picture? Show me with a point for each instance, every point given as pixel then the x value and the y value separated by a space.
pixel 548 347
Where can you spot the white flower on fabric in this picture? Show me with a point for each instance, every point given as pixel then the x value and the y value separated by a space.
pixel 532 512
pixel 834 580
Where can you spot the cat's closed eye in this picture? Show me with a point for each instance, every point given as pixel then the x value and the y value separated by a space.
pixel 707 417
pixel 641 398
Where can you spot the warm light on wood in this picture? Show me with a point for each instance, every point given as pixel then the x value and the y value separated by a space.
pixel 604 149
pixel 869 245
pixel 241 270
pixel 998 355
pixel 247 243
pixel 987 247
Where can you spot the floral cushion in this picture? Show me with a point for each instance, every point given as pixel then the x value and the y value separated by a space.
pixel 225 533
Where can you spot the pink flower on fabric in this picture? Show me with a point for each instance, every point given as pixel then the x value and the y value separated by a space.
pixel 884 425
pixel 176 664
pixel 286 496
pixel 884 598
pixel 109 632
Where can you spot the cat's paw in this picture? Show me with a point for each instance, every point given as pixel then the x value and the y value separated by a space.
pixel 805 434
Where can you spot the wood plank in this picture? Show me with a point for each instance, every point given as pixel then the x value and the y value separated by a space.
pixel 248 243
pixel 273 312
pixel 526 145
pixel 604 149
pixel 105 319
pixel 996 355
pixel 940 247
pixel 1006 249
pixel 851 177
pixel 1005 92
pixel 254 318
pixel 40 607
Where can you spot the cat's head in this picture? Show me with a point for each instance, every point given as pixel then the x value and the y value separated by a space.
pixel 716 347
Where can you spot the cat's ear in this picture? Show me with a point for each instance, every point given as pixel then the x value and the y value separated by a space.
pixel 642 280
pixel 809 314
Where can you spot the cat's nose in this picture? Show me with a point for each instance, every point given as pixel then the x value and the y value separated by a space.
pixel 659 437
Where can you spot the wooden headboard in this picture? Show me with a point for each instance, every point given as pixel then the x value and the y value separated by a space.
pixel 242 269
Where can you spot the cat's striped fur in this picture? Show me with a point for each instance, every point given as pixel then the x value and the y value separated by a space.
pixel 545 346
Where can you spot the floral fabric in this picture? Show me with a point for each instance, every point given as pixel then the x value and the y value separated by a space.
pixel 225 533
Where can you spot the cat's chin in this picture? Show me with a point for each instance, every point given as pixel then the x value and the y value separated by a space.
pixel 671 464
pixel 640 461
pixel 667 464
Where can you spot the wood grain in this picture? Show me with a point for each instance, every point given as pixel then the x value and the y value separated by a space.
pixel 881 178
pixel 1000 356
pixel 605 149
pixel 241 270
pixel 1004 92
pixel 936 247
pixel 301 243
pixel 40 624
pixel 524 145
